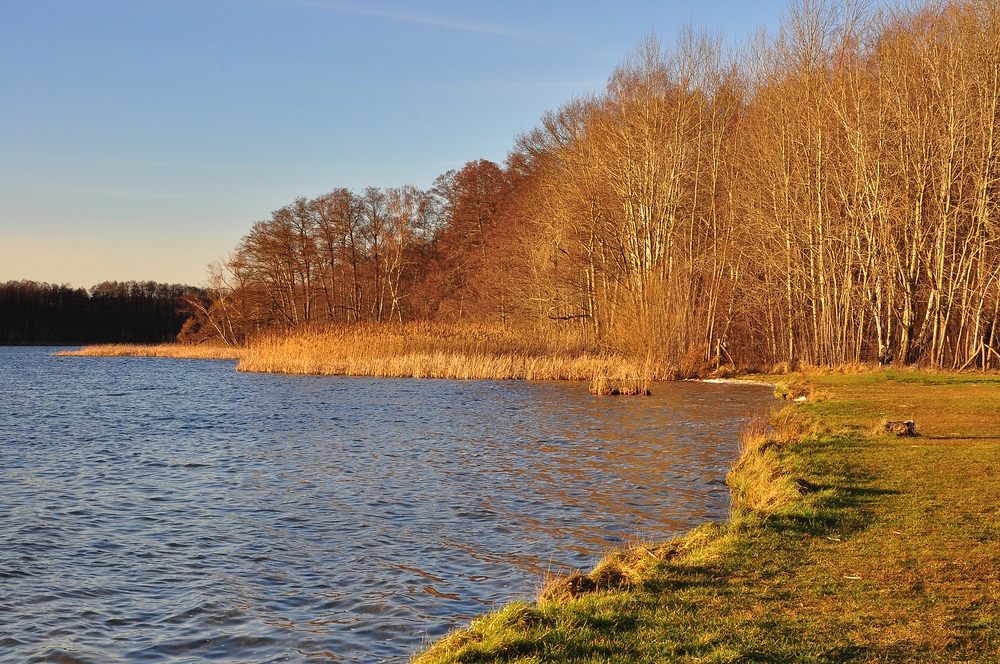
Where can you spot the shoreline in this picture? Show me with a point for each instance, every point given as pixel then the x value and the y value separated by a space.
pixel 737 381
pixel 828 554
pixel 840 533
pixel 274 356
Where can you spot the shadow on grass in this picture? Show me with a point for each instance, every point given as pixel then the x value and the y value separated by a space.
pixel 680 578
pixel 955 438
pixel 865 653
pixel 834 509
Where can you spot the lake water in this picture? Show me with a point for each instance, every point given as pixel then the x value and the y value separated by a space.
pixel 157 510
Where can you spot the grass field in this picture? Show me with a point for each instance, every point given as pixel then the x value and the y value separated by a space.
pixel 847 544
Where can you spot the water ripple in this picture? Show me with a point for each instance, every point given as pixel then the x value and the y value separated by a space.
pixel 166 510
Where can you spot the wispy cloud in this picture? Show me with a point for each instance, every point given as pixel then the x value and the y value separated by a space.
pixel 419 18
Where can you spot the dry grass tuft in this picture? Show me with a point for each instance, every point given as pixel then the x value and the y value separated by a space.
pixel 793 390
pixel 904 428
pixel 176 351
pixel 757 481
pixel 603 384
pixel 618 570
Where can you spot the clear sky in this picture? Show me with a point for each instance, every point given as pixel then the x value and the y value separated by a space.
pixel 140 139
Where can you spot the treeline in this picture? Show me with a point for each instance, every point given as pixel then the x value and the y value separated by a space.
pixel 828 196
pixel 396 254
pixel 111 312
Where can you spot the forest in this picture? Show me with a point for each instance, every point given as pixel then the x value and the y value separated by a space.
pixel 825 195
pixel 110 312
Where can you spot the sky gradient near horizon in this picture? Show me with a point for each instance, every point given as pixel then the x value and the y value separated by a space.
pixel 140 139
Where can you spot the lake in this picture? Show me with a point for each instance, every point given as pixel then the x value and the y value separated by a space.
pixel 159 510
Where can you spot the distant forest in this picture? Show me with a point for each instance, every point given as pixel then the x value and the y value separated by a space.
pixel 110 312
pixel 828 195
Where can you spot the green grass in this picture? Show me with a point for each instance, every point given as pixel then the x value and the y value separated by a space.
pixel 847 545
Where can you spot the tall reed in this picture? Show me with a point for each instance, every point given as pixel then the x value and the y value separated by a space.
pixel 423 350
pixel 176 351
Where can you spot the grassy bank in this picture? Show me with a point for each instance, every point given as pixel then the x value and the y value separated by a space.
pixel 177 351
pixel 846 544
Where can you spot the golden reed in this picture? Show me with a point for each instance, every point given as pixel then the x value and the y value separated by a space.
pixel 423 350
pixel 176 351
pixel 420 350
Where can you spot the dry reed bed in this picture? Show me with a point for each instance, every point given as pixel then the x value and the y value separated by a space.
pixel 420 350
pixel 431 351
pixel 175 351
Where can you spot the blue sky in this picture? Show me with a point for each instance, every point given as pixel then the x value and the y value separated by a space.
pixel 140 139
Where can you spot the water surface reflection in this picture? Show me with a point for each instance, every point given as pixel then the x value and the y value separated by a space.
pixel 171 510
